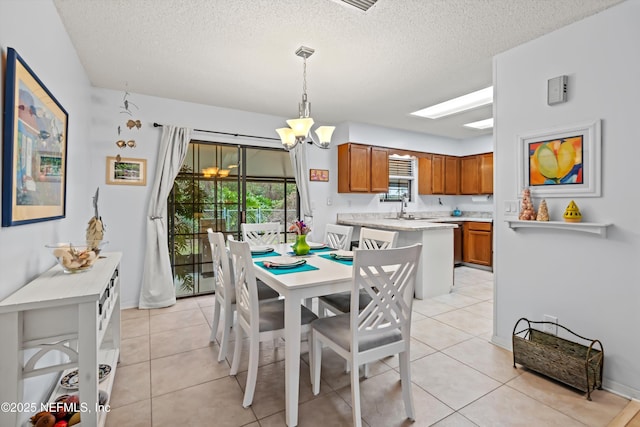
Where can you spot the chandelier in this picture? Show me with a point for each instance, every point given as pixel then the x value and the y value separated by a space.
pixel 298 130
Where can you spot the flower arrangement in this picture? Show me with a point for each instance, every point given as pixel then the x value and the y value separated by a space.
pixel 299 227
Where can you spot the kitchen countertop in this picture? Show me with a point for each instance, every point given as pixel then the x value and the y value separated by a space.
pixel 421 222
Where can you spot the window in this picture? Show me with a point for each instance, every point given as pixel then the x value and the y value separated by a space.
pixel 401 179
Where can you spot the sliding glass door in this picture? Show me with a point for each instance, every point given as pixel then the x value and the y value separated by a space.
pixel 220 186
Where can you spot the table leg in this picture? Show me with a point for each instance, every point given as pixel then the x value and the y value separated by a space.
pixel 292 313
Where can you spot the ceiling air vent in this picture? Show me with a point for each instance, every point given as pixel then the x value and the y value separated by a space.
pixel 363 5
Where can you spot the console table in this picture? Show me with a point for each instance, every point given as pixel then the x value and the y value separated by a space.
pixel 76 316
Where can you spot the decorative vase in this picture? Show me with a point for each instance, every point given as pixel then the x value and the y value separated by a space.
pixel 301 247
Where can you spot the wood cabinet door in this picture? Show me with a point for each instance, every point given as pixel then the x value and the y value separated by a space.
pixel 469 175
pixel 437 169
pixel 359 168
pixel 486 173
pixel 477 245
pixel 451 175
pixel 425 175
pixel 379 168
pixel 480 247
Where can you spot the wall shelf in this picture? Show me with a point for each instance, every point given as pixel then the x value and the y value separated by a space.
pixel 585 227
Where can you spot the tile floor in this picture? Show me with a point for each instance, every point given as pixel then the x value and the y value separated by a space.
pixel 169 376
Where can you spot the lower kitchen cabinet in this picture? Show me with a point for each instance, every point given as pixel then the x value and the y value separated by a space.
pixel 477 243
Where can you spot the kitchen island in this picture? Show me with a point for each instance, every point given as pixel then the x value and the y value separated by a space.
pixel 435 270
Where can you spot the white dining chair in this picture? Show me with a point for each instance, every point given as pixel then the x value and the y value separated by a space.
pixel 338 236
pixel 261 322
pixel 225 299
pixel 340 302
pixel 266 233
pixel 381 329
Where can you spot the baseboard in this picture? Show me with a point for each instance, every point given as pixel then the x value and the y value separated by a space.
pixel 626 415
pixel 621 389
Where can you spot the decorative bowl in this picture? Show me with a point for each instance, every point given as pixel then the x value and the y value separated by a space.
pixel 75 258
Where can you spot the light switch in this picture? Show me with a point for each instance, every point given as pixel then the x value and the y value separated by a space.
pixel 507 206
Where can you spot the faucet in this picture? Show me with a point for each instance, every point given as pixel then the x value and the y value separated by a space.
pixel 403 206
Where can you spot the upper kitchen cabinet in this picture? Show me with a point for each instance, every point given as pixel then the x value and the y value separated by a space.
pixel 362 169
pixel 451 175
pixel 476 174
pixel 425 174
pixel 486 173
pixel 438 174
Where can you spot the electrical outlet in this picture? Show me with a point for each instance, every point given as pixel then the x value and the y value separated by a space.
pixel 551 328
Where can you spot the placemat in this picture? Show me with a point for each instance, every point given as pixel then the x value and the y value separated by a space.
pixel 341 261
pixel 266 254
pixel 278 271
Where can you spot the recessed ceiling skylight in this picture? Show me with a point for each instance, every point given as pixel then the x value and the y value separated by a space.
pixel 456 105
pixel 481 124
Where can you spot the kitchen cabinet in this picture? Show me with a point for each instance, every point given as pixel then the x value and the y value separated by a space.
pixel 486 173
pixel 477 243
pixel 451 175
pixel 76 314
pixel 362 169
pixel 425 174
pixel 476 174
pixel 457 244
pixel 437 174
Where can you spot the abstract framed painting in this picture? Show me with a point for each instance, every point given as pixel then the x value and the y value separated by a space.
pixel 561 162
pixel 35 148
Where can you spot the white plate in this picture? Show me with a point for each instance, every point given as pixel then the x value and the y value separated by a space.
pixel 314 245
pixel 342 254
pixel 285 262
pixel 70 381
pixel 261 249
pixel 288 261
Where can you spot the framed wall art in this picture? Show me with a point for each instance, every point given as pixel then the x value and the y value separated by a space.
pixel 126 171
pixel 34 156
pixel 561 162
pixel 319 175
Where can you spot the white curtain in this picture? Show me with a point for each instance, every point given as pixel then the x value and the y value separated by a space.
pixel 298 156
pixel 157 279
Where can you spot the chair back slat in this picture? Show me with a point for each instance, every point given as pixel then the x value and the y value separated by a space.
pixel 245 283
pixel 223 280
pixel 338 236
pixel 266 233
pixel 371 238
pixel 391 290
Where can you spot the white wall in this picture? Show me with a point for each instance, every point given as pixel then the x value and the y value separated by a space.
pixel 124 208
pixel 589 283
pixel 22 252
pixel 44 45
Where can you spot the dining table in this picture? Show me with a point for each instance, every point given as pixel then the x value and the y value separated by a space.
pixel 320 275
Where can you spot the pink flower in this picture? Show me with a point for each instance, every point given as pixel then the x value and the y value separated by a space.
pixel 299 227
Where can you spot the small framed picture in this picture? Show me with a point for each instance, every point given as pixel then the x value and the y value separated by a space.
pixel 319 175
pixel 126 171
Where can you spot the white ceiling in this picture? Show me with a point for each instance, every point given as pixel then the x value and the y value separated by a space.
pixel 374 67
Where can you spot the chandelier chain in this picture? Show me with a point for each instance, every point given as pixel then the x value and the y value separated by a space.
pixel 304 76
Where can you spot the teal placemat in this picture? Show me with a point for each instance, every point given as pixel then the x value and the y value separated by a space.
pixel 341 261
pixel 277 271
pixel 266 254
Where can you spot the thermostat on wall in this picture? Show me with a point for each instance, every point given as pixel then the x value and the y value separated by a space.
pixel 557 90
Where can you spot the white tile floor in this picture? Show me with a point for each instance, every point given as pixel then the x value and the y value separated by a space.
pixel 168 375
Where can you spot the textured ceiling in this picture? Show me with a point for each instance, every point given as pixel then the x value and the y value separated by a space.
pixel 374 67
